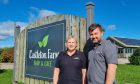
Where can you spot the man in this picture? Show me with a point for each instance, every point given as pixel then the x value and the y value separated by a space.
pixel 102 58
pixel 70 65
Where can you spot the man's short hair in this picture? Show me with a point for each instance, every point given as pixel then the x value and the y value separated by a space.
pixel 94 26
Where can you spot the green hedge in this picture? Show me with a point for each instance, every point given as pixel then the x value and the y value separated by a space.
pixel 135 58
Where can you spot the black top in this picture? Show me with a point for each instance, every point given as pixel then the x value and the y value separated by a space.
pixel 88 47
pixel 70 67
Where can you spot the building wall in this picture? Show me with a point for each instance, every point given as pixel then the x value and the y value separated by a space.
pixel 125 52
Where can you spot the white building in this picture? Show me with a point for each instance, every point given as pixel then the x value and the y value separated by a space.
pixel 125 46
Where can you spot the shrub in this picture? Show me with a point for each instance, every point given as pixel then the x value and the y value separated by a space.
pixel 135 58
pixel 7 55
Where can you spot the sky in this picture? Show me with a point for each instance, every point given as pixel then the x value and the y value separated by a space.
pixel 120 18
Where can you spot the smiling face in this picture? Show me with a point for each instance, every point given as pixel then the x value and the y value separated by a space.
pixel 71 44
pixel 96 35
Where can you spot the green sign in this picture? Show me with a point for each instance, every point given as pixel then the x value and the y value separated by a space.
pixel 43 46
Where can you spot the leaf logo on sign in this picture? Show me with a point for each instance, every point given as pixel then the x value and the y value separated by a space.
pixel 44 42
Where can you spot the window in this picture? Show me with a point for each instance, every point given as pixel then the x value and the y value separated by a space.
pixel 120 50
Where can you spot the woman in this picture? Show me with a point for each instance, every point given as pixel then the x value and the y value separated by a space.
pixel 70 66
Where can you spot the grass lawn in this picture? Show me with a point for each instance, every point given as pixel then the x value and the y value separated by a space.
pixel 6 76
pixel 128 74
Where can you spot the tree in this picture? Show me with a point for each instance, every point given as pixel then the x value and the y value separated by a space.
pixel 7 55
pixel 135 58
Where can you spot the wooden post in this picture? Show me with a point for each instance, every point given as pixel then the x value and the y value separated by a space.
pixel 16 34
pixel 90 15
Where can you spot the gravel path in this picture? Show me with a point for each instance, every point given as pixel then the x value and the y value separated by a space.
pixel 6 65
pixel 123 61
pixel 10 65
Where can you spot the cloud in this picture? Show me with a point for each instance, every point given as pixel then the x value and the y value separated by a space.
pixel 7 28
pixel 5 1
pixel 111 27
pixel 43 13
pixel 36 13
pixel 34 8
pixel 22 25
pixel 2 37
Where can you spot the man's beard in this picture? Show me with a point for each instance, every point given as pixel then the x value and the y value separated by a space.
pixel 96 41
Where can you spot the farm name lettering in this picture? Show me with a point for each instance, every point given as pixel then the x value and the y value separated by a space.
pixel 40 55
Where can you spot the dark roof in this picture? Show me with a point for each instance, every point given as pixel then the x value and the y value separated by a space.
pixel 129 41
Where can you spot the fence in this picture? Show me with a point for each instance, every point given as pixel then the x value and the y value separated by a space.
pixel 75 26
